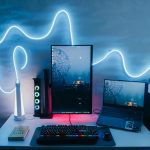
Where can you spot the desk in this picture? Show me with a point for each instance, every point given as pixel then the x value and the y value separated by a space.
pixel 122 138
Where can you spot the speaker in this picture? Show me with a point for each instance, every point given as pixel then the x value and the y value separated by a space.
pixel 146 117
pixel 37 97
pixel 46 101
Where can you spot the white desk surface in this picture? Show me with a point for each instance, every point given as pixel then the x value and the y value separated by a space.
pixel 122 138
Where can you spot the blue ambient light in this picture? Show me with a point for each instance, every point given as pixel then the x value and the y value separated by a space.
pixel 15 27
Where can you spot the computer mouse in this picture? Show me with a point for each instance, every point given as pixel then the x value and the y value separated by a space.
pixel 107 136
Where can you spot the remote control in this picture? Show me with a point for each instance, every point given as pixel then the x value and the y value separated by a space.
pixel 19 133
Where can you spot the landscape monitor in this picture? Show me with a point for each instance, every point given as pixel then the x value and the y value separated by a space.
pixel 124 93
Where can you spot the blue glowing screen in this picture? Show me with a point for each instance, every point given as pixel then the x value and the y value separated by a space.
pixel 71 79
pixel 124 93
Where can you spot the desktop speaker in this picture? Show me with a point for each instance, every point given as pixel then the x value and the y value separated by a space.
pixel 37 97
pixel 46 101
pixel 146 117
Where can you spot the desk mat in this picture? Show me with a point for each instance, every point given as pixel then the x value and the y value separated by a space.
pixel 99 143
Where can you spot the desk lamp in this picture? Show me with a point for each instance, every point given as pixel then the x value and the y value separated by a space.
pixel 19 113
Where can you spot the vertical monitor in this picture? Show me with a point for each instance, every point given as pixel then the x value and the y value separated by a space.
pixel 124 93
pixel 71 78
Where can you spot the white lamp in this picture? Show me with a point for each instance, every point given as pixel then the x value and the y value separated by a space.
pixel 19 113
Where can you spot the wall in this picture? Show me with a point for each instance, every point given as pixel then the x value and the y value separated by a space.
pixel 106 24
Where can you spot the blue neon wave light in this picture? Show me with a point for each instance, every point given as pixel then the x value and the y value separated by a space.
pixel 72 42
pixel 123 63
pixel 17 48
pixel 42 36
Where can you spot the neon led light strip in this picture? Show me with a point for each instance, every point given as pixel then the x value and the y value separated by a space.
pixel 72 42
pixel 123 63
pixel 14 60
pixel 33 38
pixel 17 48
pixel 42 36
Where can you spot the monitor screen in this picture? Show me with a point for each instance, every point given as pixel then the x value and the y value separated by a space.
pixel 71 79
pixel 124 93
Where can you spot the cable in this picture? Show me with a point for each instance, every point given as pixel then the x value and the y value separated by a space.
pixel 70 119
pixel 96 111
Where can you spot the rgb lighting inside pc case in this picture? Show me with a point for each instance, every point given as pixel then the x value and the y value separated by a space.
pixel 71 79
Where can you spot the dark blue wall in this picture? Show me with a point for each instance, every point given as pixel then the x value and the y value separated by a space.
pixel 107 24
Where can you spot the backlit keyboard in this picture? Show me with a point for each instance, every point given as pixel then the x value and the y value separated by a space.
pixel 67 134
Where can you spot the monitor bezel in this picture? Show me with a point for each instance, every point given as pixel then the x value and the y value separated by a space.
pixel 122 106
pixel 91 77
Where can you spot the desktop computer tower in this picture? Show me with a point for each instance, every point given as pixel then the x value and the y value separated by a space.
pixel 42 96
pixel 146 117
pixel 37 97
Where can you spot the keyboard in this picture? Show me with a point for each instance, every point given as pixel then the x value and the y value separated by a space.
pixel 68 134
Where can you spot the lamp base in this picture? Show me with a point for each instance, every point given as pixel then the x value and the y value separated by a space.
pixel 19 118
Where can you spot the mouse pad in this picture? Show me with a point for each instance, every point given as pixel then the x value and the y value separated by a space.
pixel 100 142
